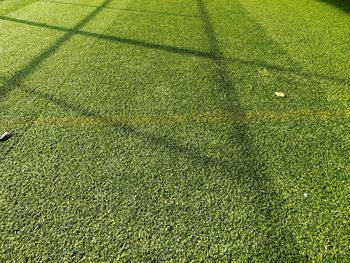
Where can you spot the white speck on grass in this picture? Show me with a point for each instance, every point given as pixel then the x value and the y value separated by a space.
pixel 305 194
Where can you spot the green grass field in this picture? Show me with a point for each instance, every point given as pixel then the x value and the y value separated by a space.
pixel 149 130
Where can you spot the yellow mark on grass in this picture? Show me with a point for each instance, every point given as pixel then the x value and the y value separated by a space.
pixel 207 117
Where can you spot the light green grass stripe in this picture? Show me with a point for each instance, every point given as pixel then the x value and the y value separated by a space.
pixel 7 6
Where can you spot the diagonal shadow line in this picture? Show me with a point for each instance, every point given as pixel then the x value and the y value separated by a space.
pixel 39 59
pixel 169 143
pixel 123 9
pixel 182 51
pixel 36 24
pixel 252 170
pixel 167 48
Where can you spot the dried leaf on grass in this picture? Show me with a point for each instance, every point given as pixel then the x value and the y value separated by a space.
pixel 280 94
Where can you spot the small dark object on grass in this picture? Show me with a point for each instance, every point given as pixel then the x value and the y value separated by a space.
pixel 5 136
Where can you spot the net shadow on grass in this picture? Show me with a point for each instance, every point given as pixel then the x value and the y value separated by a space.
pixel 115 39
pixel 13 81
pixel 276 243
pixel 340 4
pixel 249 174
pixel 179 50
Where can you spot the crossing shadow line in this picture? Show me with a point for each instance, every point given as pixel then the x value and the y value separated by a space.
pixel 252 171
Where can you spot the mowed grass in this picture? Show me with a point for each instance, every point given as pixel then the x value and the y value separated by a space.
pixel 149 130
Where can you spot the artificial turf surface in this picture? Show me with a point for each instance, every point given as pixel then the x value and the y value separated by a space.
pixel 149 130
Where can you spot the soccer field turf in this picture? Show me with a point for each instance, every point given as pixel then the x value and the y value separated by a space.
pixel 150 131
